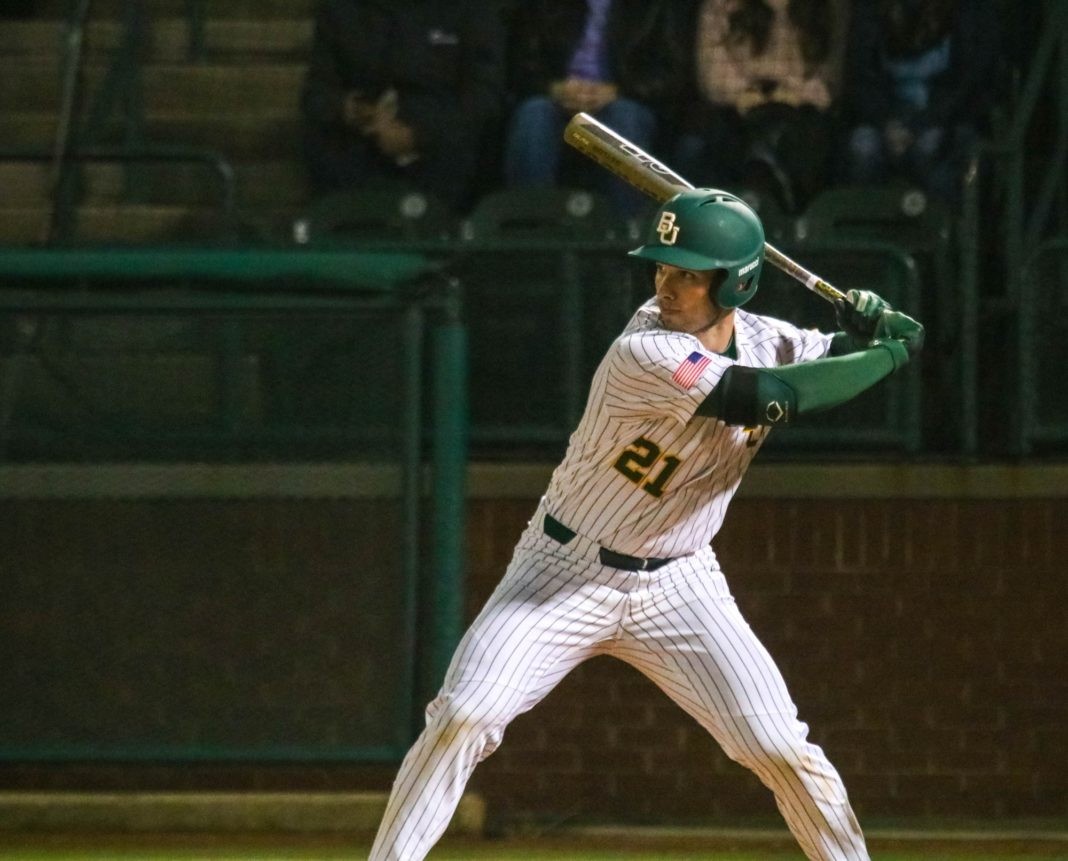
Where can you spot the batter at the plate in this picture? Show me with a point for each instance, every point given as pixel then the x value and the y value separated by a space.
pixel 617 559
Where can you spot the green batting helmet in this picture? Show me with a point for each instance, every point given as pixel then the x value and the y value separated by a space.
pixel 705 229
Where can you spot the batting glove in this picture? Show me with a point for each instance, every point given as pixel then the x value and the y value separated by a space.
pixel 858 314
pixel 900 327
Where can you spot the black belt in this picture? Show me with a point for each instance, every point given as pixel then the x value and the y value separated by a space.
pixel 558 532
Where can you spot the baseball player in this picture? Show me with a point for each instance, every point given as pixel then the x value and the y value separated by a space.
pixel 617 558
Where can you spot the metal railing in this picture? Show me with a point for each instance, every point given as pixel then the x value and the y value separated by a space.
pixel 73 42
pixel 121 88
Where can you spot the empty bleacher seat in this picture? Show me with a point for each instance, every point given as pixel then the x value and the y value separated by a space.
pixel 382 212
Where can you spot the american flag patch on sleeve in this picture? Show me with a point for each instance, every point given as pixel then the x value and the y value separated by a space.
pixel 689 372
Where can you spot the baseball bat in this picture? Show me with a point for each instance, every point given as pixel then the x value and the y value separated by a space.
pixel 611 150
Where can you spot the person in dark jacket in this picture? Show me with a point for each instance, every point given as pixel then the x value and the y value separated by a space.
pixel 402 89
pixel 618 60
pixel 919 81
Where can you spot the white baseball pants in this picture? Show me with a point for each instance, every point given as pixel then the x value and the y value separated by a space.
pixel 557 606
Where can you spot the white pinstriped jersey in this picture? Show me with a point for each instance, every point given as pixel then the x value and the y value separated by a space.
pixel 643 475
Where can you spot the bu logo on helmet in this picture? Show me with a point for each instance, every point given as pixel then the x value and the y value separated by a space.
pixel 669 233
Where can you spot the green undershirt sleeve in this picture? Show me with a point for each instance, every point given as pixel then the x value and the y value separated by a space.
pixel 769 396
pixel 826 383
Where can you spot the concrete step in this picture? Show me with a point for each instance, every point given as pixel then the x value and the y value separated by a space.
pixel 169 88
pixel 348 812
pixel 176 8
pixel 259 184
pixel 169 39
pixel 239 135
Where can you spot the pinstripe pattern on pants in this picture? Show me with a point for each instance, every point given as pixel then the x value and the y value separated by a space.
pixel 558 606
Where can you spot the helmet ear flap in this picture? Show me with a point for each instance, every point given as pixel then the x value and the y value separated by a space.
pixel 735 291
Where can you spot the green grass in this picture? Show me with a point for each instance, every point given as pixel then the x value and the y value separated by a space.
pixel 23 847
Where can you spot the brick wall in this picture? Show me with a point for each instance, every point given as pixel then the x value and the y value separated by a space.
pixel 176 629
pixel 924 640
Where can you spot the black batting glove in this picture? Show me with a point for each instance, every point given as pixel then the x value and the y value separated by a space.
pixel 858 314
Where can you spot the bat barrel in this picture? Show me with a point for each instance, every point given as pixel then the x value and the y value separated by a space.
pixel 626 160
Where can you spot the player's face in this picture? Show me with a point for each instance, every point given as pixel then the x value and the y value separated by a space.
pixel 683 297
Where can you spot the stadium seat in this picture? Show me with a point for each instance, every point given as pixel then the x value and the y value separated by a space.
pixel 907 217
pixel 552 214
pixel 378 213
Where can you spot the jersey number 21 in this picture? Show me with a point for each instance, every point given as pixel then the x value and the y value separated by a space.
pixel 643 463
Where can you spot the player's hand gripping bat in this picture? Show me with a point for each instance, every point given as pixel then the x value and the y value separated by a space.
pixel 627 161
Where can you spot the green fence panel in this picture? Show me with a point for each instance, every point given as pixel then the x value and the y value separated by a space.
pixel 539 323
pixel 1042 414
pixel 213 501
pixel 209 385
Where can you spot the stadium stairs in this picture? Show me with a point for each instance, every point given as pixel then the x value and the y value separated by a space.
pixel 239 97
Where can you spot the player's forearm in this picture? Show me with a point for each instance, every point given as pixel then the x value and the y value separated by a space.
pixel 829 382
pixel 770 396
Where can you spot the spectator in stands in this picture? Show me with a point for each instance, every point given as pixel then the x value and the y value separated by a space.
pixel 402 90
pixel 767 74
pixel 618 60
pixel 920 81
